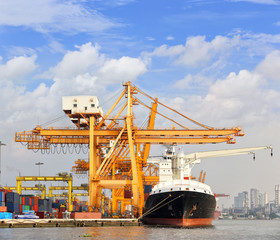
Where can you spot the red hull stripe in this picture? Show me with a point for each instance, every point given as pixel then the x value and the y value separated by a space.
pixel 195 222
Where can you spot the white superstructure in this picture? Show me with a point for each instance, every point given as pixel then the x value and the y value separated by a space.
pixel 175 169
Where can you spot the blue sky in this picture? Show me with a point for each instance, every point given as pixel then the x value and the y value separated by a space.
pixel 215 61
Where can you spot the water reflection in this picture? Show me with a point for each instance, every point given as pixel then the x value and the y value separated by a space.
pixel 230 230
pixel 119 232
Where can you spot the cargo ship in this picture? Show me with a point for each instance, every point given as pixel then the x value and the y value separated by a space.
pixel 178 200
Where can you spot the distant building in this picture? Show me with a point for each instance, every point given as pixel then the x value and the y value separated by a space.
pixel 241 200
pixel 277 193
pixel 254 196
pixel 265 199
pixel 262 199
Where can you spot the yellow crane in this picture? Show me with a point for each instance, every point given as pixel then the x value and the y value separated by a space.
pixel 65 178
pixel 126 145
pixel 36 188
pixel 81 188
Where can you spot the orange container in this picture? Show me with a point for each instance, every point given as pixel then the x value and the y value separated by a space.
pixel 3 209
pixel 85 215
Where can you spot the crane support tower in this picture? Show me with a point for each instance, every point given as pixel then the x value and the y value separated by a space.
pixel 118 146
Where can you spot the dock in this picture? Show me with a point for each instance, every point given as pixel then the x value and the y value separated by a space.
pixel 33 223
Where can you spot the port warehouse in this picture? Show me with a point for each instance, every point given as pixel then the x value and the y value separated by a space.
pixel 116 145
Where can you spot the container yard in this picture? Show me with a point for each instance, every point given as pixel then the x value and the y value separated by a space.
pixel 31 211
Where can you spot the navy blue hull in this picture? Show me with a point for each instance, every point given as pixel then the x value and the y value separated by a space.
pixel 180 208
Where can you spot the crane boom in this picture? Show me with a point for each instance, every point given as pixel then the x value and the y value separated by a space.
pixel 191 158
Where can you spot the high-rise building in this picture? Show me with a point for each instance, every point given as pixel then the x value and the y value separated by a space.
pixel 261 200
pixel 277 193
pixel 254 195
pixel 265 201
pixel 241 200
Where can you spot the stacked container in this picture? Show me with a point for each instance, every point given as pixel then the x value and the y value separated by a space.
pixel 45 205
pixel 76 206
pixel 12 202
pixel 4 214
pixel 28 203
pixel 83 206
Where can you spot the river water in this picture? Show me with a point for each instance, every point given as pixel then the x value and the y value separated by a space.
pixel 222 229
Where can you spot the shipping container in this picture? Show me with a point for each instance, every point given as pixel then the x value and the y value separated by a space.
pixel 26 200
pixel 6 215
pixel 61 201
pixel 36 208
pixel 2 197
pixel 85 215
pixel 35 200
pixel 41 215
pixel 3 209
pixel 12 207
pixel 12 197
pixel 62 209
pixel 55 205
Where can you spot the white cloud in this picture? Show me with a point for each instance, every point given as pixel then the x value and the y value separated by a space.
pixel 169 38
pixel 197 51
pixel 122 70
pixel 240 98
pixel 150 38
pixel 184 83
pixel 80 72
pixel 165 51
pixel 86 71
pixel 270 2
pixel 78 62
pixel 270 66
pixel 190 79
pixel 52 16
pixel 113 3
pixel 17 67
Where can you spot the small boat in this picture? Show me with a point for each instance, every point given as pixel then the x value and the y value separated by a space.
pixel 28 215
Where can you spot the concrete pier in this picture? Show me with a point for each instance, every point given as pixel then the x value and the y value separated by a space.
pixel 32 223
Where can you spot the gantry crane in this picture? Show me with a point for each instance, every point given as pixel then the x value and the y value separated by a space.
pixel 65 178
pixel 36 188
pixel 118 148
pixel 74 188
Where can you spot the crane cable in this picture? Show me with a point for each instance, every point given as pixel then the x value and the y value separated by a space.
pixel 54 120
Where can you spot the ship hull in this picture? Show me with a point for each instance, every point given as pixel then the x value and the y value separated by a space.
pixel 180 209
